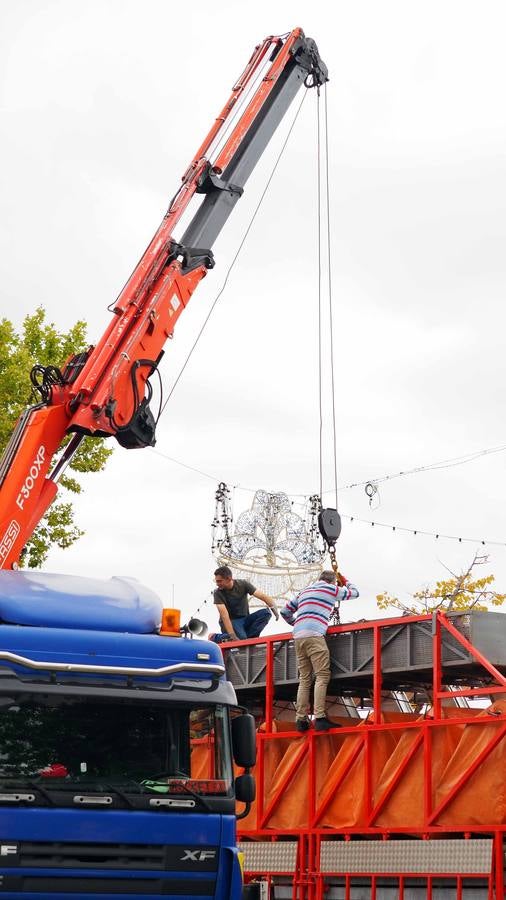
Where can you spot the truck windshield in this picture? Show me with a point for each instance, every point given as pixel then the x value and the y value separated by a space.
pixel 155 746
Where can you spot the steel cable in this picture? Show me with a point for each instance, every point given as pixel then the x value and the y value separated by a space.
pixel 329 290
pixel 320 387
pixel 234 260
pixel 329 268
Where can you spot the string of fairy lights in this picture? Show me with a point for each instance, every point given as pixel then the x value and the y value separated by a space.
pixel 432 534
pixel 371 489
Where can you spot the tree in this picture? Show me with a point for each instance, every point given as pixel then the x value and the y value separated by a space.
pixel 458 593
pixel 40 342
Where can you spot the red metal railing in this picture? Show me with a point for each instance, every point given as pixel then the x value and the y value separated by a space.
pixel 301 772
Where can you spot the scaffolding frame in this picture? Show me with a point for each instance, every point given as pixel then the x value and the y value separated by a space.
pixel 311 879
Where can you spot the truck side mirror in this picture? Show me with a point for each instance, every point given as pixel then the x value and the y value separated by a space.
pixel 245 789
pixel 244 740
pixel 245 792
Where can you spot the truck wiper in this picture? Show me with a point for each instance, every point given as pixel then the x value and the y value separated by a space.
pixel 181 784
pixel 192 793
pixel 96 787
pixel 26 782
pixel 116 790
pixel 66 785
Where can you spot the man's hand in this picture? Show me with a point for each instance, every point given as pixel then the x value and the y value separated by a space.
pixel 225 621
pixel 288 616
pixel 341 580
pixel 275 612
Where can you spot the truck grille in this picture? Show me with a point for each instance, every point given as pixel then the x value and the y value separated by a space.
pixel 73 855
pixel 93 856
pixel 52 886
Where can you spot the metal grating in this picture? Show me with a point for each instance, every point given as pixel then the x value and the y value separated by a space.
pixel 406 655
pixel 269 856
pixel 460 857
pixel 285 662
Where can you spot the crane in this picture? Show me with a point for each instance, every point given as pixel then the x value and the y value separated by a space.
pixel 106 390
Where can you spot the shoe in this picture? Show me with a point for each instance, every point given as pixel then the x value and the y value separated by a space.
pixel 302 724
pixel 324 724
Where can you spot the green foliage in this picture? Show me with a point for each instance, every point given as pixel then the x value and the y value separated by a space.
pixel 459 593
pixel 41 342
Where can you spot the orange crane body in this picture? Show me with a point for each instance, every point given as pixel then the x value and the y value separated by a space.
pixel 105 391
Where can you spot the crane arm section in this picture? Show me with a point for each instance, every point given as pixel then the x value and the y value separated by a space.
pixel 106 391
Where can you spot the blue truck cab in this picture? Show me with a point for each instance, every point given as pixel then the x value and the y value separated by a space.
pixel 116 747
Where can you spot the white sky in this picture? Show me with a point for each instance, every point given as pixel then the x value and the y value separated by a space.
pixel 103 105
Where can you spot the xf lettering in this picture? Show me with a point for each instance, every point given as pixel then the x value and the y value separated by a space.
pixel 198 855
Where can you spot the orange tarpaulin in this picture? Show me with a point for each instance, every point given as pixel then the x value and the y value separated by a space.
pixel 482 798
pixel 396 775
pixel 343 801
pixel 405 805
pixel 290 799
pixel 273 753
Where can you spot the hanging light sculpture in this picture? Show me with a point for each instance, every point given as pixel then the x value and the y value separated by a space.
pixel 276 549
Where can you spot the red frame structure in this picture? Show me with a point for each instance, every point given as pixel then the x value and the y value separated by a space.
pixel 310 881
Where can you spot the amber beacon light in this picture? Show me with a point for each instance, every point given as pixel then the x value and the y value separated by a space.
pixel 171 622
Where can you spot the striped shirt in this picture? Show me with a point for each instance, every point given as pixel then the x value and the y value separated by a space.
pixel 310 611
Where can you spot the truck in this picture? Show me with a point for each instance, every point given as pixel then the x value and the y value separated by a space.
pixel 117 746
pixel 119 733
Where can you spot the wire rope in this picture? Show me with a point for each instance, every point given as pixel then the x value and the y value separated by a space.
pixel 329 270
pixel 324 204
pixel 216 148
pixel 185 465
pixel 450 463
pixel 320 386
pixel 444 464
pixel 234 260
pixel 397 528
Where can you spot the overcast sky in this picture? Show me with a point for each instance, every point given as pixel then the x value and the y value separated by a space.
pixel 103 105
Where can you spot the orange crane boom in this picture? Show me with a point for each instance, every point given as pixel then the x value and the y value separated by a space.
pixel 106 390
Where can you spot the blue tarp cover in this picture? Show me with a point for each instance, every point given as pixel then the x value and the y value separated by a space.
pixel 72 601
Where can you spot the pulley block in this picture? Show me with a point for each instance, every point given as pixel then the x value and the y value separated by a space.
pixel 329 523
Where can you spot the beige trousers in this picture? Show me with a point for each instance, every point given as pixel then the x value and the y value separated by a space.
pixel 312 656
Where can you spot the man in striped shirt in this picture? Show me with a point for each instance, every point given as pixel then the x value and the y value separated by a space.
pixel 309 613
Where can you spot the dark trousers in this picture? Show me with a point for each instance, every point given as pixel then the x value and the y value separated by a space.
pixel 246 626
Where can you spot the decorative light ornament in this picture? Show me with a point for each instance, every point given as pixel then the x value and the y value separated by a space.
pixel 279 551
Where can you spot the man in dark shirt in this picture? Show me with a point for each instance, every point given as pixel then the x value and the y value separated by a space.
pixel 231 598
